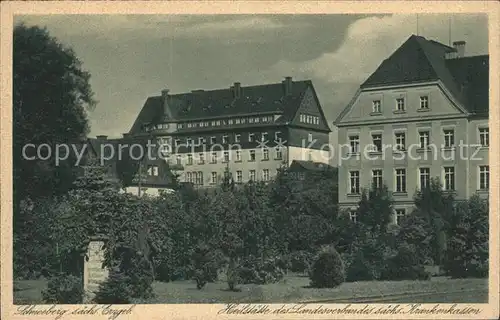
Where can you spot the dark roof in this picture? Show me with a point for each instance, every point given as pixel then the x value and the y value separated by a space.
pixel 268 98
pixel 421 60
pixel 310 165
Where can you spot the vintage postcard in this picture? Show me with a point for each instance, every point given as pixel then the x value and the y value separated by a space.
pixel 250 160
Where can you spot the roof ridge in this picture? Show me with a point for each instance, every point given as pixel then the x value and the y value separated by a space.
pixel 198 91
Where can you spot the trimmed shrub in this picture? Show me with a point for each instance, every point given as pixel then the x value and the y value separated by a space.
pixel 405 265
pixel 328 269
pixel 64 289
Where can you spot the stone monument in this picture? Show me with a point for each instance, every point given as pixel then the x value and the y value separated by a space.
pixel 94 273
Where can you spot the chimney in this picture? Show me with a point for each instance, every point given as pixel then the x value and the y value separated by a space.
pixel 288 85
pixel 102 137
pixel 237 90
pixel 166 109
pixel 460 47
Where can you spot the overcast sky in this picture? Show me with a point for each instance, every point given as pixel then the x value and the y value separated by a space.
pixel 133 57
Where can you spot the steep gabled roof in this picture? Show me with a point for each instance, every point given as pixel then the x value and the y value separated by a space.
pixel 200 104
pixel 422 60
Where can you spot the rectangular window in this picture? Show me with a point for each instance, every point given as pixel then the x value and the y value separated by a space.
pixel 239 176
pixel 449 178
pixel 424 102
pixel 424 177
pixel 309 137
pixel 400 104
pixel 238 155
pixel 264 136
pixel 353 215
pixel 423 139
pixel 250 120
pixel 377 142
pixel 224 139
pixel 237 121
pixel 354 144
pixel 257 120
pixel 250 137
pixel 377 178
pixel 189 177
pixel 400 141
pixel 484 137
pixel 277 136
pixel 213 123
pixel 177 142
pixel 201 141
pixel 252 155
pixel 230 121
pixel 265 174
pixel 302 118
pixel 401 180
pixel 200 178
pixel 400 215
pixel 279 153
pixel 218 122
pixel 201 158
pixel 449 138
pixel 484 177
pixel 214 178
pixel 265 154
pixel 354 182
pixel 189 141
pixel 213 140
pixel 190 159
pixel 213 158
pixel 376 106
pixel 178 160
pixel 251 175
pixel 237 138
pixel 226 156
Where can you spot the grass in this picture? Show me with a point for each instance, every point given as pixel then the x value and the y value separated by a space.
pixel 294 289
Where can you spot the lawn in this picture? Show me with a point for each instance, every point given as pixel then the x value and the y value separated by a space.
pixel 294 289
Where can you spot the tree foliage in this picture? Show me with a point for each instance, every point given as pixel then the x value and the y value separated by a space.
pixel 51 96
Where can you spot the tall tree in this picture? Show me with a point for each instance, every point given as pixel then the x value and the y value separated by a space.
pixel 51 96
pixel 436 207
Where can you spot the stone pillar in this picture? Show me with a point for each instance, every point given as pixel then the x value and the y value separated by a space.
pixel 93 271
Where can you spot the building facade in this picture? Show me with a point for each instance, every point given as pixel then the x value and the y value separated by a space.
pixel 422 114
pixel 249 132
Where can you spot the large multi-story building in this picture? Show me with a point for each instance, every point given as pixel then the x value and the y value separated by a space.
pixel 247 131
pixel 422 114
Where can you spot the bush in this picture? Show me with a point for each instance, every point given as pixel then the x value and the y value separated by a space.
pixel 131 279
pixel 328 269
pixel 467 245
pixel 261 271
pixel 360 269
pixel 301 261
pixel 206 263
pixel 405 265
pixel 64 289
pixel 115 290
